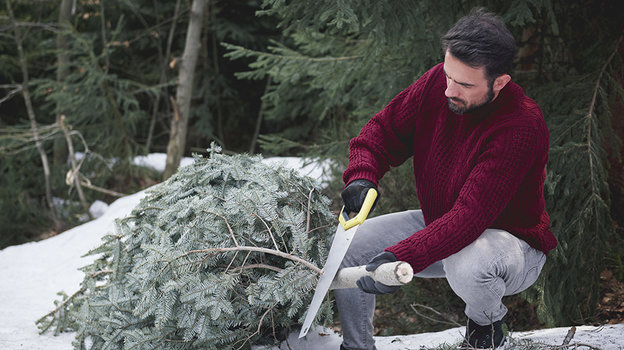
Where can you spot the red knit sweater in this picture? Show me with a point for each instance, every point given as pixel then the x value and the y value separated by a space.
pixel 472 172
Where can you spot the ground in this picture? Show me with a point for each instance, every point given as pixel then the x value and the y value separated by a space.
pixel 611 304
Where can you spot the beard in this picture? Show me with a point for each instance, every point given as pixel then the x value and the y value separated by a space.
pixel 459 106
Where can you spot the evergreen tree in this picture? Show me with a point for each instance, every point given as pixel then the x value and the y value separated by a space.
pixel 222 255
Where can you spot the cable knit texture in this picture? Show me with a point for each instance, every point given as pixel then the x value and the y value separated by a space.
pixel 472 172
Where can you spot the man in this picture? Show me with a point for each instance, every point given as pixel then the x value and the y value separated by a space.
pixel 479 148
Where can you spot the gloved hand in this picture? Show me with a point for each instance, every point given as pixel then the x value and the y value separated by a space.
pixel 354 194
pixel 369 285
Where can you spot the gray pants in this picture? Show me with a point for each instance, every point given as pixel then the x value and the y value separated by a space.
pixel 495 265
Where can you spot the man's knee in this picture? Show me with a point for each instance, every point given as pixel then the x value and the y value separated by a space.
pixel 496 260
pixel 378 233
pixel 468 271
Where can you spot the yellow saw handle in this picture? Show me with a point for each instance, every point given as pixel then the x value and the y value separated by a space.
pixel 347 223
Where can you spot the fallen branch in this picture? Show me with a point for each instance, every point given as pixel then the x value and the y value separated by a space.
pixel 87 183
pixel 58 309
pixel 575 346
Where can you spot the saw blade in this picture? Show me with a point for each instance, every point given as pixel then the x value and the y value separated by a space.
pixel 342 239
pixel 338 249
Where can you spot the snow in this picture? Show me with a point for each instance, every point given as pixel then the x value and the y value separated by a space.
pixel 157 161
pixel 98 208
pixel 31 274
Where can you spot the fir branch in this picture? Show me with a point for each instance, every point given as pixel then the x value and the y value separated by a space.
pixel 590 114
pixel 259 250
pixel 602 71
pixel 17 88
pixel 58 309
pixel 239 51
pixel 20 140
pixel 102 272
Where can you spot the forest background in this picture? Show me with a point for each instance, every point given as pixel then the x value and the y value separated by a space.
pixel 86 85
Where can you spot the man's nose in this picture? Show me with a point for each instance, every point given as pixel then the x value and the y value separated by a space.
pixel 451 89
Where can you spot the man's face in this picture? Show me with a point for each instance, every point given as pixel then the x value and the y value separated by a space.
pixel 467 88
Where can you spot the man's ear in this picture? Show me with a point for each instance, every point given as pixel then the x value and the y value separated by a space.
pixel 500 82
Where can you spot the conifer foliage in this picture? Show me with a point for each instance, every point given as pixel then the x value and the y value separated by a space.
pixel 223 255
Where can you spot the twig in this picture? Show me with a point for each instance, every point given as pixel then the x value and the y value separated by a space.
pixel 15 91
pixel 309 205
pixel 450 322
pixel 575 345
pixel 74 167
pixel 87 183
pixel 268 229
pixel 231 262
pixel 229 228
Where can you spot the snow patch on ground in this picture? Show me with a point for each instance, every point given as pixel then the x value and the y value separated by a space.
pixel 157 161
pixel 607 337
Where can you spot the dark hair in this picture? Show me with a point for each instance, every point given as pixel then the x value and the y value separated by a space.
pixel 481 40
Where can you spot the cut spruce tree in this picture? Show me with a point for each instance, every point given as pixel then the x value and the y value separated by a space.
pixel 223 255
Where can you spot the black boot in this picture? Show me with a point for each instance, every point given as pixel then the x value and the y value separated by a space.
pixel 343 348
pixel 483 337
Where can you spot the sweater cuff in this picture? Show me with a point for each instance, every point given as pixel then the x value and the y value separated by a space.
pixel 404 251
pixel 363 175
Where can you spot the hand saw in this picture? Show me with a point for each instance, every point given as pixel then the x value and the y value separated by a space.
pixel 342 239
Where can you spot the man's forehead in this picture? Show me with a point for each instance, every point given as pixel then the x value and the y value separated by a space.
pixel 462 73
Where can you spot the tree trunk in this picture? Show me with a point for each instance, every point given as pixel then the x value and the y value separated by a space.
pixel 163 73
pixel 30 110
pixel 254 138
pixel 62 45
pixel 182 106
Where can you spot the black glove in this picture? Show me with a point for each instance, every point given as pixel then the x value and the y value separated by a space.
pixel 368 284
pixel 354 194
